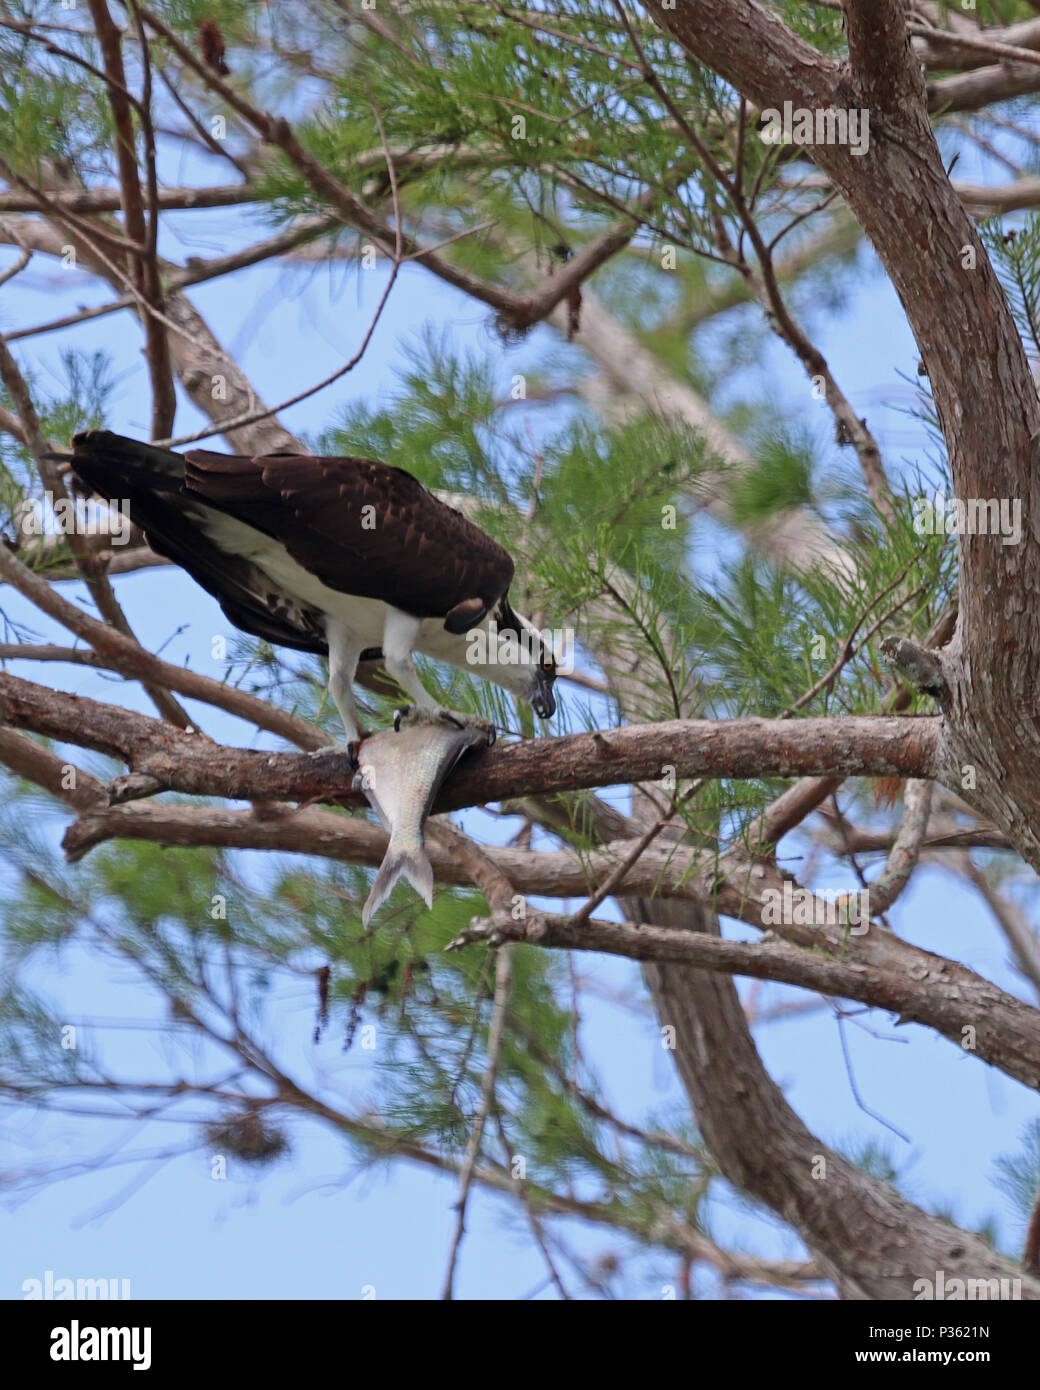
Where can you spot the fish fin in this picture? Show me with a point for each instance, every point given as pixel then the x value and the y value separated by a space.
pixel 412 865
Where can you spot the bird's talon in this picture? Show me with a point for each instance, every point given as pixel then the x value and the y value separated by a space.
pixel 423 714
pixel 335 748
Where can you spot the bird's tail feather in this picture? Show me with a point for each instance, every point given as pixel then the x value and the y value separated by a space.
pixel 112 464
pixel 410 864
pixel 106 444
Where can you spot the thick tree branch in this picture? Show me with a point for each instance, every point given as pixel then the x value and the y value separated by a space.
pixel 881 55
pixel 29 759
pixel 971 91
pixel 859 746
pixel 967 997
pixel 883 970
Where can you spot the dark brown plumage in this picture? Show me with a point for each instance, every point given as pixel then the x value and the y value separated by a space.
pixel 409 549
pixel 344 557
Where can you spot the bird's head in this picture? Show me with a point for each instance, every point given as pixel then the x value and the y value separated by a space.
pixel 521 660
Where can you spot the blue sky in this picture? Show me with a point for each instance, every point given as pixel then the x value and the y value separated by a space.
pixel 312 1226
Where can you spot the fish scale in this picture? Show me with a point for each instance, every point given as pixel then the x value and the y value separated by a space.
pixel 400 773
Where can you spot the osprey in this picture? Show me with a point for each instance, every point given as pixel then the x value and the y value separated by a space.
pixel 344 557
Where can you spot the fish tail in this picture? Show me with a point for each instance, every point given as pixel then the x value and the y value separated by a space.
pixel 410 863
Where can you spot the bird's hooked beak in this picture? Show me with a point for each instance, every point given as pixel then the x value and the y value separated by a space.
pixel 543 701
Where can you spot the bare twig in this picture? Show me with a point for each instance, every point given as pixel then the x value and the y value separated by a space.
pixel 903 856
pixel 496 1032
pixel 143 270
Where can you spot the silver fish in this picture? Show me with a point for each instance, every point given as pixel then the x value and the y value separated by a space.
pixel 400 772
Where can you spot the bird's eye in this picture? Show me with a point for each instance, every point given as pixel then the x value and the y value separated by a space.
pixel 549 665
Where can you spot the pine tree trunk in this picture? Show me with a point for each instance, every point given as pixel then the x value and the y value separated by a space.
pixel 870 1241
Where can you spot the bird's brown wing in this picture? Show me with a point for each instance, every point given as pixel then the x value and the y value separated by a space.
pixel 148 484
pixel 362 528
